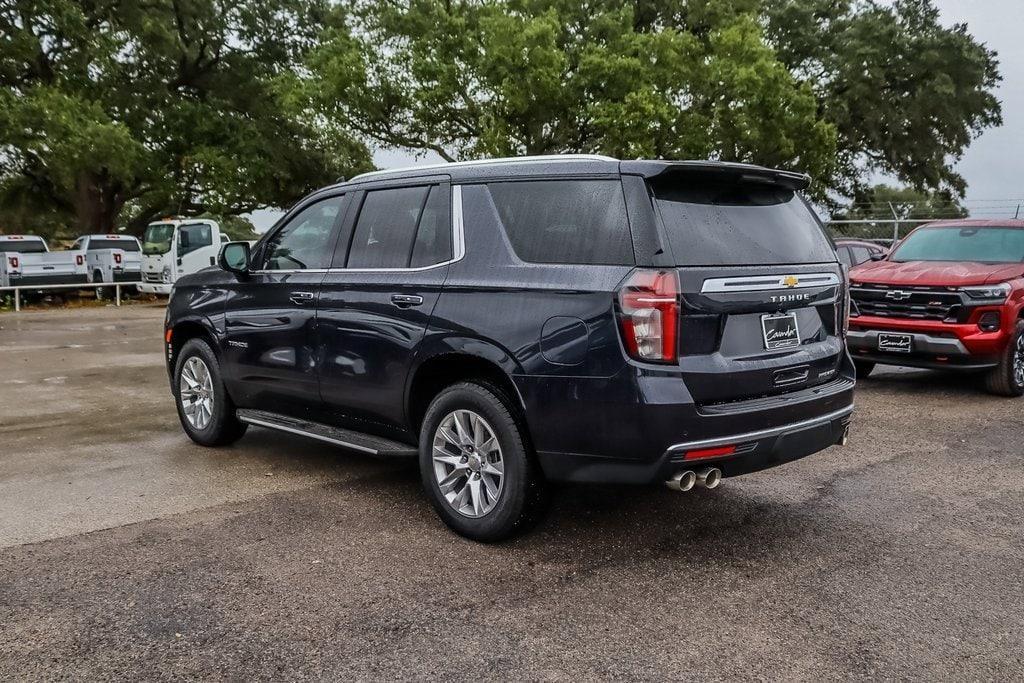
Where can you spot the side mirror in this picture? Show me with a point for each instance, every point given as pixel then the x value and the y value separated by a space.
pixel 878 257
pixel 235 258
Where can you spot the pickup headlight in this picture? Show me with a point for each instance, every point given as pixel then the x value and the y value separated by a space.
pixel 988 292
pixel 165 275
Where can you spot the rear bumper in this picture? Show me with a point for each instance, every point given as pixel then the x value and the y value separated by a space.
pixel 597 431
pixel 131 276
pixel 754 451
pixel 935 345
pixel 40 280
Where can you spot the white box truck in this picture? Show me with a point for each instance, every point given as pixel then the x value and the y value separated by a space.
pixel 175 247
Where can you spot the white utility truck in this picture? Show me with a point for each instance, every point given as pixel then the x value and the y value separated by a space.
pixel 110 258
pixel 26 261
pixel 175 247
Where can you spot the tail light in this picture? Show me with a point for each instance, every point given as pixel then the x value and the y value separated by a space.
pixel 845 303
pixel 79 259
pixel 13 260
pixel 117 258
pixel 649 315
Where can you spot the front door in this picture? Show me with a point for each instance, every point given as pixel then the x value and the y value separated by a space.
pixel 270 316
pixel 376 301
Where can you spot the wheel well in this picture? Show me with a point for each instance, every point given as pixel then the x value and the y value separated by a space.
pixel 443 371
pixel 186 330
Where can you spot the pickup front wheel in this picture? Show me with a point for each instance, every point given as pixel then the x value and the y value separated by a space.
pixel 475 463
pixel 1007 378
pixel 206 412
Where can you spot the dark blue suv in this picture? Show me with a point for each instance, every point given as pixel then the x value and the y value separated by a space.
pixel 515 322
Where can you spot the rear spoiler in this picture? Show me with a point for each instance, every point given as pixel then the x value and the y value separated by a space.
pixel 741 172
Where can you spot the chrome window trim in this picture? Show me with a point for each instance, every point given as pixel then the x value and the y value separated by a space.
pixel 458 248
pixel 760 283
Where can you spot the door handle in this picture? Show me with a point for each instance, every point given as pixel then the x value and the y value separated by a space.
pixel 301 297
pixel 406 300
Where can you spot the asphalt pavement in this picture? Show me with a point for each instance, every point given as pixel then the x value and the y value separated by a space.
pixel 127 552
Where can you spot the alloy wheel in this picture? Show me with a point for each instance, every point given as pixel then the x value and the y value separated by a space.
pixel 467 462
pixel 196 390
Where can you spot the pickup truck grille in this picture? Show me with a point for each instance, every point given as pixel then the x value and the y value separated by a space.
pixel 151 277
pixel 915 303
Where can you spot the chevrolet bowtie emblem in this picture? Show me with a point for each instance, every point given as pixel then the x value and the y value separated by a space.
pixel 791 281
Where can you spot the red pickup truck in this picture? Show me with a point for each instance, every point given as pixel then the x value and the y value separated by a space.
pixel 949 296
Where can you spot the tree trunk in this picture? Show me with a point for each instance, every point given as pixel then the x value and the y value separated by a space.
pixel 98 202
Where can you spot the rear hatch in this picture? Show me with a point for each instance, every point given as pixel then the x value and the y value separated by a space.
pixel 761 290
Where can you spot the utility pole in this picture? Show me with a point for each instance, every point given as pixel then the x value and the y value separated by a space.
pixel 895 225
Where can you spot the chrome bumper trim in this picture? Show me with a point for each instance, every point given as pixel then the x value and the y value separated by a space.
pixel 762 434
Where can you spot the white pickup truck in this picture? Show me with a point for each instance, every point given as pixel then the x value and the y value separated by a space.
pixel 175 247
pixel 25 261
pixel 110 258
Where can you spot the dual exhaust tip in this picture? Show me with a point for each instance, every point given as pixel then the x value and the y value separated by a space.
pixel 709 478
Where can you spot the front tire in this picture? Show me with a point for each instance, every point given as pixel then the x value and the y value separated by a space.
pixel 1007 378
pixel 476 467
pixel 206 411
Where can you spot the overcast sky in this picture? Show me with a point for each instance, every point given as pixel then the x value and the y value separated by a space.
pixel 993 163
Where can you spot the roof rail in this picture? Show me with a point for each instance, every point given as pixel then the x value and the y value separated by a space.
pixel 484 162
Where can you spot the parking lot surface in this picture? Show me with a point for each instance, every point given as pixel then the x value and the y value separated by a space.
pixel 126 551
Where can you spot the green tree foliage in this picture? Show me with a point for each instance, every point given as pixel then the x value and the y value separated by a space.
pixel 468 78
pixel 841 89
pixel 905 95
pixel 119 111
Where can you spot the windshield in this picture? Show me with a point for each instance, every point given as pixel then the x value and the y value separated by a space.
pixel 960 243
pixel 157 239
pixel 23 247
pixel 728 222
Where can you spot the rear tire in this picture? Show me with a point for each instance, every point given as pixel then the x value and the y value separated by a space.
pixel 206 411
pixel 1007 378
pixel 101 292
pixel 863 368
pixel 470 433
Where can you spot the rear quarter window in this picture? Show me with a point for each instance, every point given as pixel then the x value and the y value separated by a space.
pixel 565 221
pixel 710 221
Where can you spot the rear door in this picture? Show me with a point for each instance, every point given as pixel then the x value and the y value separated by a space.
pixel 760 284
pixel 376 300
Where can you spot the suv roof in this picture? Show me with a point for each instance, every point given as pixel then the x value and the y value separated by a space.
pixel 576 164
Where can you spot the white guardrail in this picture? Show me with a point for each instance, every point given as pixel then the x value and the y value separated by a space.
pixel 18 289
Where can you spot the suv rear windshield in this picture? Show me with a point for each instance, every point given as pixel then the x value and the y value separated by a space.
pixel 713 221
pixel 963 243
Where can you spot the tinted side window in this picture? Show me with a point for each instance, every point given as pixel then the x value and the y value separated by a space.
pixel 305 241
pixel 860 254
pixel 565 221
pixel 194 236
pixel 386 228
pixel 434 234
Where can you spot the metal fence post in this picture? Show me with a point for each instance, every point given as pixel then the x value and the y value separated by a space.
pixel 117 294
pixel 17 299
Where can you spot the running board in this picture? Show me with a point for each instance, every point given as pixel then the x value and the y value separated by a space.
pixel 346 438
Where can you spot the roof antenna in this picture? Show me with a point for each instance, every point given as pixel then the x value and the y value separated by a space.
pixel 1018 212
pixel 340 179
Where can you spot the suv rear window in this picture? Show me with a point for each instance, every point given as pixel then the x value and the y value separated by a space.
pixel 712 221
pixel 565 221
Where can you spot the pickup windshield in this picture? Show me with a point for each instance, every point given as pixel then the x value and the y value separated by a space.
pixel 23 246
pixel 158 238
pixel 713 221
pixel 963 243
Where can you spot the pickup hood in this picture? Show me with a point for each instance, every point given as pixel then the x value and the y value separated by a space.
pixel 934 273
